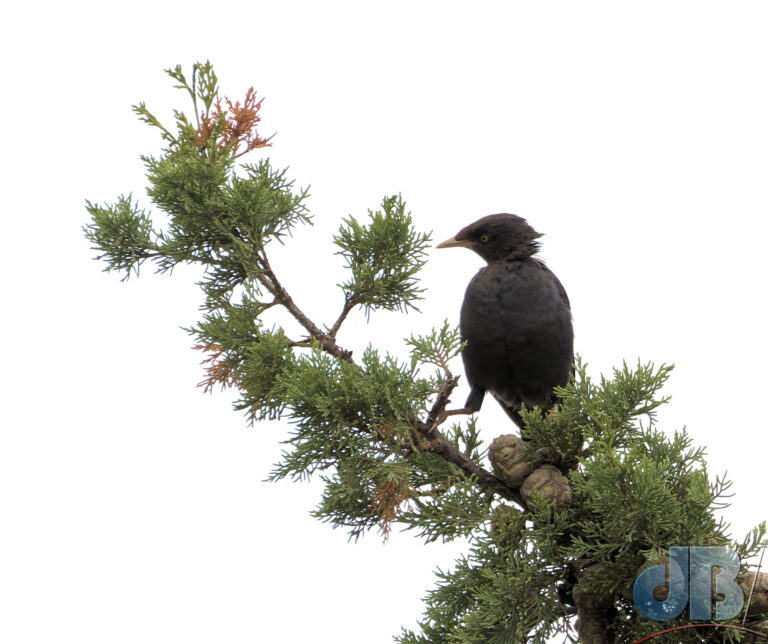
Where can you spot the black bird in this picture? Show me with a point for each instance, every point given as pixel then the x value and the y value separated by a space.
pixel 515 319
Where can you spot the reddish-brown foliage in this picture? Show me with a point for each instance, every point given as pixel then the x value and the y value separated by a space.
pixel 387 498
pixel 240 125
pixel 216 367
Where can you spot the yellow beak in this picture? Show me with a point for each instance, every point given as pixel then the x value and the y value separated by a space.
pixel 455 243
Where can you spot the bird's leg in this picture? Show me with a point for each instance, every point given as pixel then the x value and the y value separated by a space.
pixel 475 399
pixel 473 404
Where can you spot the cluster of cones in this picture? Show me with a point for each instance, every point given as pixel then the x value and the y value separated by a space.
pixel 510 465
pixel 507 455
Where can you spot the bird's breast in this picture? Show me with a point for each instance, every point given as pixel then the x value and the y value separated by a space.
pixel 517 324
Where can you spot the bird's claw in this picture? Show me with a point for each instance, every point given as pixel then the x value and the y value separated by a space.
pixel 452 412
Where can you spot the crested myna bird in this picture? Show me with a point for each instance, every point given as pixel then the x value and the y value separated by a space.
pixel 515 319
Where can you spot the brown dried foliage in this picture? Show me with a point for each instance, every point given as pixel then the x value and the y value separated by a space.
pixel 216 367
pixel 240 125
pixel 387 498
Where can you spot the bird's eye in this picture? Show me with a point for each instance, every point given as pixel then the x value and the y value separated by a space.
pixel 484 238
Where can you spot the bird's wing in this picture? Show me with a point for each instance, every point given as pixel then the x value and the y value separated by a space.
pixel 539 331
pixel 560 288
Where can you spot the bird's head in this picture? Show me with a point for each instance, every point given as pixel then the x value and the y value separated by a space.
pixel 497 237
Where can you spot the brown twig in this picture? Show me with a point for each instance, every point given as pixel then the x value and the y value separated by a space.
pixel 439 444
pixel 442 400
pixel 349 304
pixel 443 362
pixel 267 277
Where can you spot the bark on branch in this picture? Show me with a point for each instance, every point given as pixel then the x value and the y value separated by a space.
pixel 436 442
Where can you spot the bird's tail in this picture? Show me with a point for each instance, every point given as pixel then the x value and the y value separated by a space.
pixel 513 412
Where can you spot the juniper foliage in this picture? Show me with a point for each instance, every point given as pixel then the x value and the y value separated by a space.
pixel 371 428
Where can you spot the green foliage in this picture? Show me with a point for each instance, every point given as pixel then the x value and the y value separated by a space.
pixel 189 187
pixel 328 393
pixel 606 413
pixel 122 233
pixel 505 591
pixel 233 327
pixel 370 429
pixel 437 348
pixel 383 257
pixel 445 511
pixel 259 376
pixel 202 87
pixel 216 218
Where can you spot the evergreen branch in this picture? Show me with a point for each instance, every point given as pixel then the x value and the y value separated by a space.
pixel 159 253
pixel 122 232
pixel 383 257
pixel 147 117
pixel 436 442
pixel 437 348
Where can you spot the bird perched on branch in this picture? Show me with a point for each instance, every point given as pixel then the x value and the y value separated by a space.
pixel 515 319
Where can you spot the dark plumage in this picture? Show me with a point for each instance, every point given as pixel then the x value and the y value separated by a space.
pixel 516 318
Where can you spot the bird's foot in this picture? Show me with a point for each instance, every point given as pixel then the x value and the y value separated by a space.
pixel 453 412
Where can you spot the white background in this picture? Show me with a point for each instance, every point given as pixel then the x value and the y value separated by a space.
pixel 634 135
